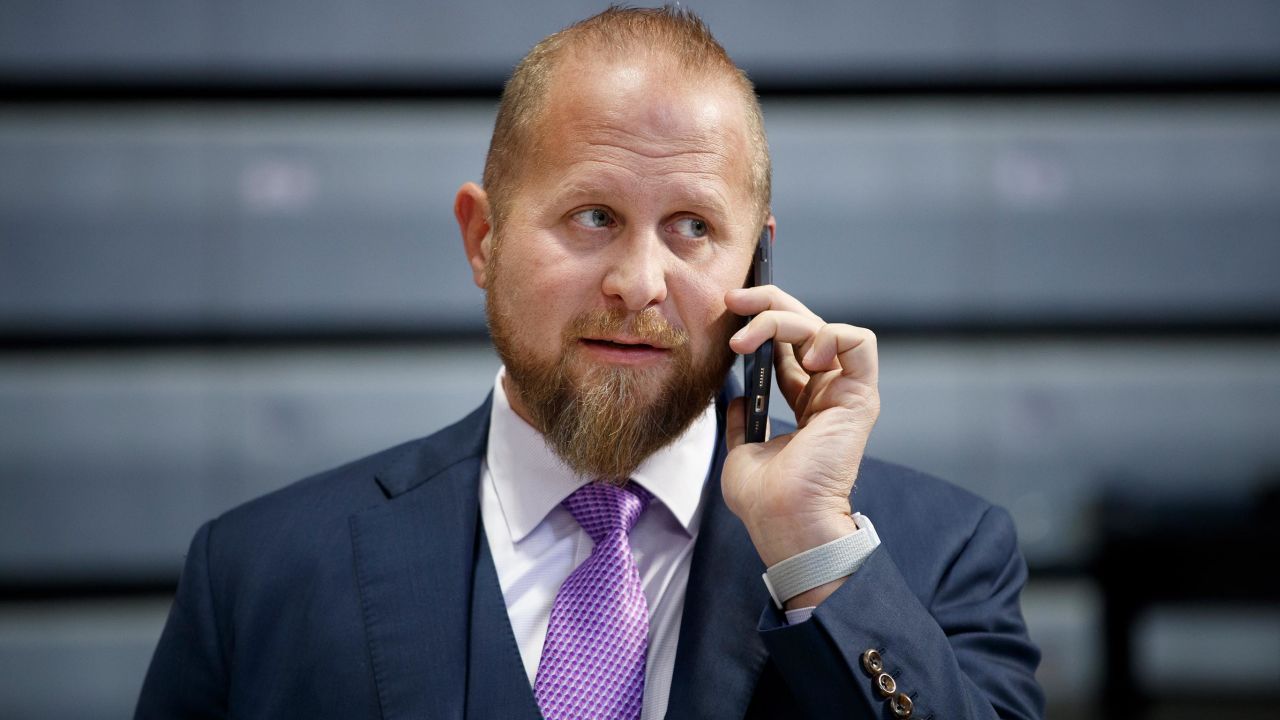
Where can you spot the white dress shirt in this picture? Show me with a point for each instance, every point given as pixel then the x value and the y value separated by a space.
pixel 536 543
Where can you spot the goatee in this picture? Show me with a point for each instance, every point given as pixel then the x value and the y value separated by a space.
pixel 602 420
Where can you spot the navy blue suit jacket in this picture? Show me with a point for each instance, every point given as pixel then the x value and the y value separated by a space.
pixel 368 592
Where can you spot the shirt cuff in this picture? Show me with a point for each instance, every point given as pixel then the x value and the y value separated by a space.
pixel 799 615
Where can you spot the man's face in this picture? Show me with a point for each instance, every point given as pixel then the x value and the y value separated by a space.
pixel 607 279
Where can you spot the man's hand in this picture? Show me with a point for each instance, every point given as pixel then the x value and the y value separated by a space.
pixel 792 492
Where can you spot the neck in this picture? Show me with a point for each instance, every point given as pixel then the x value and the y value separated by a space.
pixel 513 399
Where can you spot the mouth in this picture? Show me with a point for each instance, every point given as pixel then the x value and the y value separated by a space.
pixel 622 343
pixel 623 350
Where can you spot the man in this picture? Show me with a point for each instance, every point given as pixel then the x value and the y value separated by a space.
pixel 590 542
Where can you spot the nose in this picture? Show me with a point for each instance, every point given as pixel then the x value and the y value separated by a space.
pixel 636 276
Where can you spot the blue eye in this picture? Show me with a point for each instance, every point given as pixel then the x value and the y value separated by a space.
pixel 691 227
pixel 593 218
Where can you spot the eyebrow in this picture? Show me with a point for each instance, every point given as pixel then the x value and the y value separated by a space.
pixel 706 200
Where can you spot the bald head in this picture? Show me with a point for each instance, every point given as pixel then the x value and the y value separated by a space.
pixel 664 37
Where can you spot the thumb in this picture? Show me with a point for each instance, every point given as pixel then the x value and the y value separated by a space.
pixel 735 424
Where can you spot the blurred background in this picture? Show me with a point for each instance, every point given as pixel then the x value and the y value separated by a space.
pixel 228 260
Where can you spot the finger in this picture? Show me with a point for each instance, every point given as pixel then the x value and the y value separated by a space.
pixel 804 401
pixel 800 404
pixel 788 327
pixel 755 300
pixel 791 377
pixel 862 399
pixel 735 424
pixel 850 349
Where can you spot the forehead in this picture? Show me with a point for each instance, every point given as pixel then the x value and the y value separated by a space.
pixel 645 119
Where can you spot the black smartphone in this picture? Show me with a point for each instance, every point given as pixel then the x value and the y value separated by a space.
pixel 757 368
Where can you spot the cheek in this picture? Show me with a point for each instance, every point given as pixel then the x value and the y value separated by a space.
pixel 541 286
pixel 703 310
pixel 714 318
pixel 556 281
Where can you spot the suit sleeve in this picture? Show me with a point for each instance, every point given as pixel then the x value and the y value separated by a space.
pixel 188 677
pixel 964 655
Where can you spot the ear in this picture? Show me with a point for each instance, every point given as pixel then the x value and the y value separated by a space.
pixel 471 208
pixel 772 224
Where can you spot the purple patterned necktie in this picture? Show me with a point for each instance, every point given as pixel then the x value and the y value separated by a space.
pixel 592 663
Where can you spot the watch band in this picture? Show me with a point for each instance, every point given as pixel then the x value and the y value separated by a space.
pixel 817 566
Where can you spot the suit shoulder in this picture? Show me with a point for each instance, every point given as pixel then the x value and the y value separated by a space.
pixel 333 495
pixel 914 497
pixel 338 491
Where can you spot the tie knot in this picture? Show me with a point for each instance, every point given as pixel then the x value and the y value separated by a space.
pixel 601 508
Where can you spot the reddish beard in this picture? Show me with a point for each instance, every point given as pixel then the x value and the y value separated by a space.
pixel 603 420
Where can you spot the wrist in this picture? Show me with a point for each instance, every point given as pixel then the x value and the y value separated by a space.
pixel 805 580
pixel 778 540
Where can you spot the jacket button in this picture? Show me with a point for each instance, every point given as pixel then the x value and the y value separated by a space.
pixel 901 706
pixel 886 685
pixel 872 663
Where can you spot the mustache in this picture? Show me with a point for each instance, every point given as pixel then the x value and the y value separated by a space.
pixel 648 325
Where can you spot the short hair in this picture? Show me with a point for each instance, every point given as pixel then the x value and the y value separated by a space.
pixel 675 32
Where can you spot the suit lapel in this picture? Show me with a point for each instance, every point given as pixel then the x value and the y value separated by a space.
pixel 414 556
pixel 720 655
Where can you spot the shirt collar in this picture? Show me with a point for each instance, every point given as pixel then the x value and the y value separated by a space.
pixel 530 480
